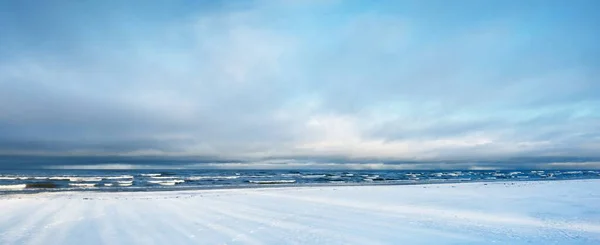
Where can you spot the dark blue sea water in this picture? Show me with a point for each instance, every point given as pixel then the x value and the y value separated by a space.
pixel 15 181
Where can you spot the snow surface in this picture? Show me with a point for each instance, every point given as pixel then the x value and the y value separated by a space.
pixel 554 212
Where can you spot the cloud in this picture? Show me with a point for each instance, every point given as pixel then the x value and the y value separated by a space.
pixel 299 79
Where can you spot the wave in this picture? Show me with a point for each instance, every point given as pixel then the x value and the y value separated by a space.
pixel 12 187
pixel 163 177
pixel 166 182
pixel 263 182
pixel 120 177
pixel 573 172
pixel 76 179
pixel 291 175
pixel 211 177
pixel 372 177
pixel 14 178
pixel 313 176
pixel 150 175
pixel 125 183
pixel 83 185
pixel 120 183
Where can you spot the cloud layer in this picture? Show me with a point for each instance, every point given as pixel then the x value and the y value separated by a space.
pixel 393 80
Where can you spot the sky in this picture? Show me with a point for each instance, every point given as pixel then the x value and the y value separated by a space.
pixel 319 81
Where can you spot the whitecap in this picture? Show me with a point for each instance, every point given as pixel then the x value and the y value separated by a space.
pixel 83 185
pixel 271 181
pixel 313 176
pixel 573 172
pixel 291 175
pixel 211 177
pixel 163 177
pixel 76 179
pixel 13 187
pixel 125 183
pixel 150 175
pixel 166 182
pixel 120 177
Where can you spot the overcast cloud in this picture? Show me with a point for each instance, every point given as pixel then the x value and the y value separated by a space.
pixel 248 80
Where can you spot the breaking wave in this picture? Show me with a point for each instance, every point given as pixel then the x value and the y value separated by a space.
pixel 264 182
pixel 13 187
pixel 82 185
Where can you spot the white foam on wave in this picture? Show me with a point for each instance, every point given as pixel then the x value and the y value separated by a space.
pixel 125 183
pixel 573 172
pixel 150 175
pixel 108 184
pixel 372 176
pixel 212 177
pixel 272 181
pixel 76 179
pixel 82 185
pixel 23 177
pixel 14 177
pixel 12 187
pixel 313 176
pixel 120 177
pixel 291 175
pixel 166 182
pixel 163 177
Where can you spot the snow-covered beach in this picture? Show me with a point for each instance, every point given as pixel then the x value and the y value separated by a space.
pixel 524 212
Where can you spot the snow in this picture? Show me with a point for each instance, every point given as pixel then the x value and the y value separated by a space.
pixel 522 212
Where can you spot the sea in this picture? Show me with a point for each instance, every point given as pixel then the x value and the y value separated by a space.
pixel 48 180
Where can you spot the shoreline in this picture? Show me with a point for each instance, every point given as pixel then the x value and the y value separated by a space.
pixel 278 186
pixel 34 191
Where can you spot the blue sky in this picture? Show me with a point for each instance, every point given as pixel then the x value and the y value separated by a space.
pixel 378 80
